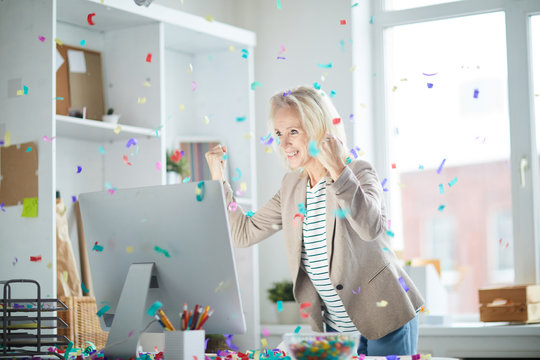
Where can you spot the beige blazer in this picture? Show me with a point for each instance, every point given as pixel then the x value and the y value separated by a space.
pixel 359 251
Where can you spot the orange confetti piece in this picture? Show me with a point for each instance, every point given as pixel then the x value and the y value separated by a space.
pixel 126 161
pixel 304 306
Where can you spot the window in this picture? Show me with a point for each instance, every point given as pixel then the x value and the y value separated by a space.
pixel 450 114
pixel 535 38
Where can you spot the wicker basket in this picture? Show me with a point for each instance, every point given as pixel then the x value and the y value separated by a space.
pixel 82 321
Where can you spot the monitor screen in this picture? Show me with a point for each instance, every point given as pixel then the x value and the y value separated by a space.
pixel 182 230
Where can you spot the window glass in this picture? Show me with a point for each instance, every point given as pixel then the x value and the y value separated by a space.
pixel 449 143
pixel 407 4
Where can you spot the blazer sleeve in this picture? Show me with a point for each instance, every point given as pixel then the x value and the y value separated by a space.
pixel 247 231
pixel 359 194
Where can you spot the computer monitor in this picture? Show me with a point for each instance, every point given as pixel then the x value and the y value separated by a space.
pixel 168 243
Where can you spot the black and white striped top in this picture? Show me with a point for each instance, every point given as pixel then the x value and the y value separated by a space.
pixel 315 258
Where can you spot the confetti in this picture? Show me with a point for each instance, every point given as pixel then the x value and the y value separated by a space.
pixel 126 160
pixel 206 120
pixel 82 42
pixel 162 251
pixel 317 86
pixel 7 138
pixel 313 150
pixel 265 332
pixel 441 166
pixel 341 213
pixel 209 18
pixel 325 66
pixel 475 95
pixel 233 206
pixel 390 233
pixel 433 74
pixel 199 192
pixel 278 4
pixel 505 246
pixel 336 121
pixel 342 22
pixel 228 340
pixel 90 19
pixel 193 85
pixel 250 213
pixel 303 307
pixel 158 165
pixel 264 342
pixel 382 303
pixel 287 93
pixel 231 48
pixel 41 38
pixel 297 330
pixel 302 209
pixel 36 258
pixel 255 85
pixel 84 289
pixel 332 93
pixel 371 19
pixel 279 306
pixel 402 282
pixel 141 100
pixel 356 292
pixel 79 169
pixel 245 53
pixel 14 262
pixel 186 180
pixel 117 129
pixel 48 139
pixel 430 85
pixel 97 247
pixel 130 249
pixel 73 198
pixel 297 216
pixel 384 183
pixel 240 119
pixel 131 141
pixel 30 207
pixel 101 150
pixel 441 208
pixel 155 307
pixel 441 189
pixel 453 182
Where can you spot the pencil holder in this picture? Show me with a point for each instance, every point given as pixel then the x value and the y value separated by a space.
pixel 184 345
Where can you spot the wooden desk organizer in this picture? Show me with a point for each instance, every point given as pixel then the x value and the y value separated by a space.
pixel 520 303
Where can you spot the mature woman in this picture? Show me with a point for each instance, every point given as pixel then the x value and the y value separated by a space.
pixel 339 255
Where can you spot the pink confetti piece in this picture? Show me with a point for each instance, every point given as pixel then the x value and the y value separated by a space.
pixel 342 22
pixel 149 57
pixel 41 38
pixel 233 206
pixel 296 216
pixel 158 165
pixel 48 139
pixel 194 85
pixel 126 161
pixel 265 332
pixel 130 333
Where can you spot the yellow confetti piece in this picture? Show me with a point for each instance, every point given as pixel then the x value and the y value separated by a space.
pixel 58 41
pixel 147 84
pixel 181 107
pixel 130 249
pixel 49 265
pixel 209 18
pixel 65 276
pixel 190 71
pixel 30 207
pixel 248 135
pixel 382 303
pixel 264 342
pixel 243 186
pixel 231 48
pixel 257 355
pixel 404 79
pixel 7 138
pixel 118 129
pixel 206 120
pixel 20 92
pixel 352 68
pixel 220 285
pixel 268 150
pixel 394 88
pixel 363 106
pixel 141 100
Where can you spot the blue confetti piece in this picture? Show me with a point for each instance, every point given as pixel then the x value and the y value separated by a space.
pixel 83 42
pixel 402 282
pixel 441 189
pixel 390 233
pixel 356 292
pixel 236 178
pixel 441 208
pixel 240 118
pixel 475 95
pixel 131 141
pixel 250 213
pixel 2 205
pixel 348 160
pixel 97 248
pixel 278 4
pixel 453 182
pixel 317 86
pixel 287 93
pixel 186 180
pixel 429 85
pixel 441 166
pixel 74 198
pixel 313 150
pixel 391 357
pixel 279 306
pixel 101 150
pixel 302 209
pixel 332 93
pixel 103 310
pixel 326 66
pixel 79 169
pixel 155 307
pixel 200 191
pixel 297 330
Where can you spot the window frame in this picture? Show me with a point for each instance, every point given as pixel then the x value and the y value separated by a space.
pixel 370 20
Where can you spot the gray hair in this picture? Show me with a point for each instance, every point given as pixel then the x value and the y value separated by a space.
pixel 316 112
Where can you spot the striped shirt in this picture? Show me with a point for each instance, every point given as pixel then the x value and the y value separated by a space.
pixel 315 258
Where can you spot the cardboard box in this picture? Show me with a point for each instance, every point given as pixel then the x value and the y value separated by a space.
pixel 520 303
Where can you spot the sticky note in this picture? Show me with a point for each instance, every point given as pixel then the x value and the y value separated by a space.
pixel 30 207
pixel 103 310
pixel 280 306
pixel 155 307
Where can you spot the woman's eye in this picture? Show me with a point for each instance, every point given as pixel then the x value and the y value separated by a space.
pixel 278 134
pixel 294 132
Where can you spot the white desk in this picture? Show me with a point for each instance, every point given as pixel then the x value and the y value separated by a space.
pixel 459 340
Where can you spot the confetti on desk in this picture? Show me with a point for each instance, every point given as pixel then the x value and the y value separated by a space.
pixel 240 119
pixel 441 189
pixel 245 53
pixel 441 208
pixel 279 304
pixel 325 66
pixel 79 169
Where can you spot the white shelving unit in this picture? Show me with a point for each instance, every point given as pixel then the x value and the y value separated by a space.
pixel 218 89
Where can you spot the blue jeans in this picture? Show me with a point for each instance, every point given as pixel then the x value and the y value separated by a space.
pixel 403 341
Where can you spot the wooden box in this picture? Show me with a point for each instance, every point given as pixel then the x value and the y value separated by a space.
pixel 520 303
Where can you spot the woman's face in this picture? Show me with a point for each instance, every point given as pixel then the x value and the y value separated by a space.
pixel 292 137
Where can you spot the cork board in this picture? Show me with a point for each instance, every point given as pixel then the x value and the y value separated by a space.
pixel 80 90
pixel 18 171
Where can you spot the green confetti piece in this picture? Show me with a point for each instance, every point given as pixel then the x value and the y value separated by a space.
pixel 279 306
pixel 441 189
pixel 162 251
pixel 278 4
pixel 441 208
pixel 255 85
pixel 390 233
pixel 325 66
pixel 103 310
pixel 297 330
pixel 453 182
pixel 84 289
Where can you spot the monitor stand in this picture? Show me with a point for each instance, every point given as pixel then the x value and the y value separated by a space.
pixel 130 313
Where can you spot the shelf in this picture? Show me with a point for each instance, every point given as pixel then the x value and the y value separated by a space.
pixel 93 130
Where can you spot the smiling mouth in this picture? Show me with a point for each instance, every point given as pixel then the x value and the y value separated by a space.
pixel 292 154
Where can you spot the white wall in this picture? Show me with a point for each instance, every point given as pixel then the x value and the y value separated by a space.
pixel 311 32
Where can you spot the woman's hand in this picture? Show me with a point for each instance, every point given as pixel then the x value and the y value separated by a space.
pixel 216 163
pixel 331 149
